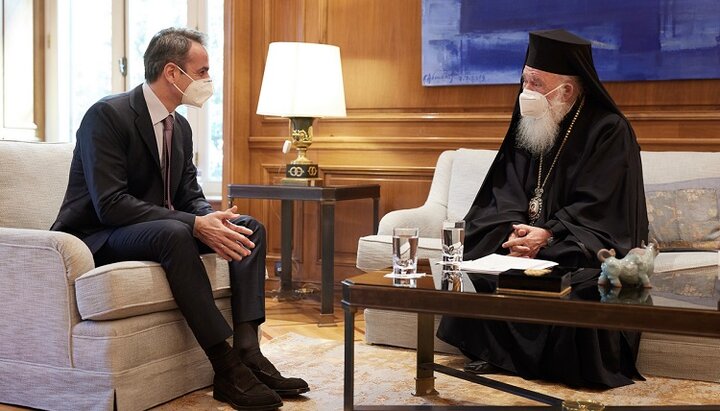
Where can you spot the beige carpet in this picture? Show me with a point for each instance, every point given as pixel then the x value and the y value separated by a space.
pixel 384 375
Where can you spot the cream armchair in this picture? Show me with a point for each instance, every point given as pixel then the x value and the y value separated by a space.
pixel 74 336
pixel 457 179
pixel 458 176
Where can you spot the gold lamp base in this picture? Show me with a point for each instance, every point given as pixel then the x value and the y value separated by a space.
pixel 308 170
pixel 301 175
pixel 301 171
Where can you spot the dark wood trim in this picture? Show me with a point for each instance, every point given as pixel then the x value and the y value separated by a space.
pixel 354 143
pixel 378 115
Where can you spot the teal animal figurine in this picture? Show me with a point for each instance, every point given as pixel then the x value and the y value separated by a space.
pixel 634 269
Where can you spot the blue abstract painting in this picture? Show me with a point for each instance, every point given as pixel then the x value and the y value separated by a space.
pixel 484 41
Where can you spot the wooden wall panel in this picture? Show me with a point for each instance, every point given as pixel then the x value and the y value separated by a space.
pixel 396 128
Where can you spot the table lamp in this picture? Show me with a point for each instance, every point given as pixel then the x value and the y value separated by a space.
pixel 302 81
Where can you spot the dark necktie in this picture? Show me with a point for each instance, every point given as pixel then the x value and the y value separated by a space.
pixel 167 150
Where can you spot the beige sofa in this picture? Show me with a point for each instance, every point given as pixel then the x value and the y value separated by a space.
pixel 457 179
pixel 74 336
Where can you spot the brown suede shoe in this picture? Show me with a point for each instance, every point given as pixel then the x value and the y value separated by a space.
pixel 270 376
pixel 241 390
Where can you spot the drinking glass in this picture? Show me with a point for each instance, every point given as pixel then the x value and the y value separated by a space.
pixel 405 245
pixel 453 240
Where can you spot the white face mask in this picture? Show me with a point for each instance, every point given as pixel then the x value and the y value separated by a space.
pixel 534 104
pixel 197 93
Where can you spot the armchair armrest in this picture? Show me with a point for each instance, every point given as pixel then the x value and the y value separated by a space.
pixel 428 218
pixel 375 251
pixel 37 294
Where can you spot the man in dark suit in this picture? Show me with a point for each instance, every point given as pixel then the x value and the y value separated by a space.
pixel 133 195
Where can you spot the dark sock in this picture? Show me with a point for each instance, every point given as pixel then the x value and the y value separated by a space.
pixel 245 341
pixel 220 356
pixel 247 347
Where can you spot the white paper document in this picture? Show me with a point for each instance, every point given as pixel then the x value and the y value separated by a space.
pixel 496 263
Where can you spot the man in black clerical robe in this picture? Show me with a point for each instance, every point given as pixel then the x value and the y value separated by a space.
pixel 566 182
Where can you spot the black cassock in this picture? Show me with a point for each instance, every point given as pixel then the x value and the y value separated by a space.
pixel 593 199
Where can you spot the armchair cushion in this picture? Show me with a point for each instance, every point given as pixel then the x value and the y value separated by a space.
pixel 684 215
pixel 128 343
pixel 131 288
pixel 34 177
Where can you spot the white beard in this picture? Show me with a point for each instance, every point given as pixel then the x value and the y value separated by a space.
pixel 538 135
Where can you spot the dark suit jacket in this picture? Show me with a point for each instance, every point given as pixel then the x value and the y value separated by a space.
pixel 115 176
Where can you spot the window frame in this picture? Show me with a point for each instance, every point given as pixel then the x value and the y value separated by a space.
pixel 58 118
pixel 38 83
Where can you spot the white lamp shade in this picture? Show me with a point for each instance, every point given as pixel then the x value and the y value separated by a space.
pixel 302 80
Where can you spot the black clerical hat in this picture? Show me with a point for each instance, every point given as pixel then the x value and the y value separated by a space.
pixel 562 52
pixel 557 51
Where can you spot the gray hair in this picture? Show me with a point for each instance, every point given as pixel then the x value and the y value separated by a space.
pixel 170 45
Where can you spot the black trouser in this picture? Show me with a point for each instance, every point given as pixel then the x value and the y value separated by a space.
pixel 172 244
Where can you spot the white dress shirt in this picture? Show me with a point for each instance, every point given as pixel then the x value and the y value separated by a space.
pixel 158 112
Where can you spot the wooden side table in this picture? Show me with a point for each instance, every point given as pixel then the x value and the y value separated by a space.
pixel 327 197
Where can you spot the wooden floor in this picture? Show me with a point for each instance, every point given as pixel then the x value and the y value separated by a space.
pixel 299 316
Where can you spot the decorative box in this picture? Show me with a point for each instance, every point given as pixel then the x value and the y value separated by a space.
pixel 553 282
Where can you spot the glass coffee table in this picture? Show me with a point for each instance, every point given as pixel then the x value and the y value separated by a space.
pixel 683 302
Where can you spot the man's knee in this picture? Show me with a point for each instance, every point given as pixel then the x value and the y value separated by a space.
pixel 256 226
pixel 259 231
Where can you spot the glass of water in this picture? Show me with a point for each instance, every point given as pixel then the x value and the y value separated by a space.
pixel 405 245
pixel 453 240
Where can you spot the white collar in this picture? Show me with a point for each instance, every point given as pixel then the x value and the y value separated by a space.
pixel 157 109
